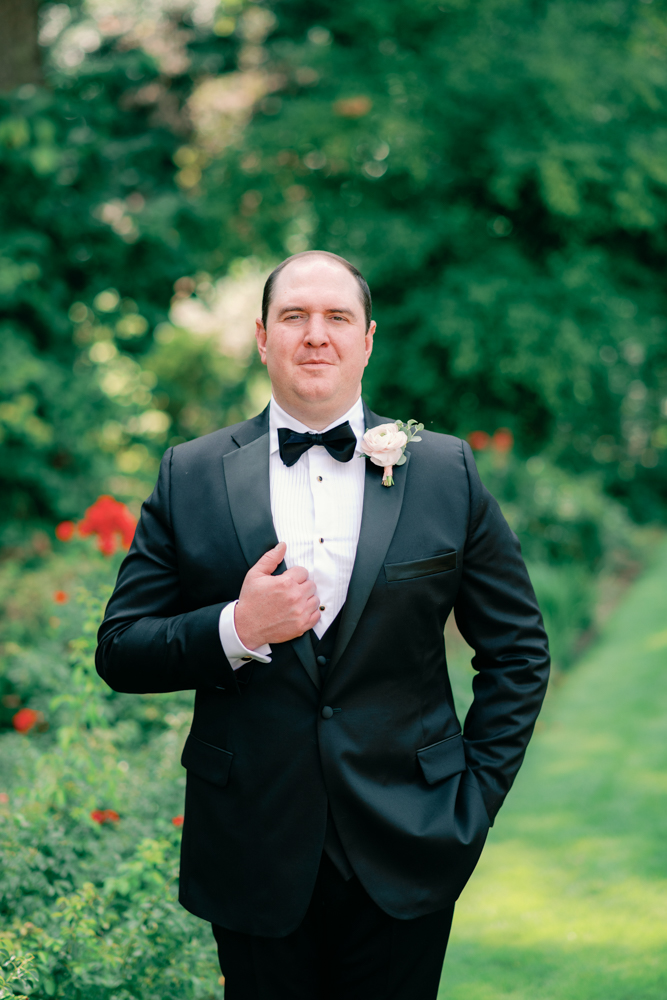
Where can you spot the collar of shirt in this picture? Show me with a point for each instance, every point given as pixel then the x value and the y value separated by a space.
pixel 281 418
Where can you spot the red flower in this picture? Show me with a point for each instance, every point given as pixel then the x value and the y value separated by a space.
pixel 60 597
pixel 104 816
pixel 65 530
pixel 4 798
pixel 25 719
pixel 478 440
pixel 108 519
pixel 503 440
pixel 177 821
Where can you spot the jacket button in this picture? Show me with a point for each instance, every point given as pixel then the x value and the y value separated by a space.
pixel 322 661
pixel 327 712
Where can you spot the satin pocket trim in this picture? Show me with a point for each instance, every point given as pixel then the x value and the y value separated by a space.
pixel 210 763
pixel 441 563
pixel 443 759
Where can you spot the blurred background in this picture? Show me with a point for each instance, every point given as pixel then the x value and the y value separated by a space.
pixel 497 169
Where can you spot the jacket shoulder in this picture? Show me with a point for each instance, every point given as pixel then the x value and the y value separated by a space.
pixel 219 442
pixel 444 446
pixel 216 443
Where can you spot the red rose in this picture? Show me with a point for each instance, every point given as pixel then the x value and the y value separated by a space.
pixel 478 440
pixel 60 597
pixel 177 821
pixel 108 519
pixel 104 816
pixel 503 440
pixel 25 719
pixel 65 530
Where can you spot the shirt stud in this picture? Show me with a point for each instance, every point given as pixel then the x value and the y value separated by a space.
pixel 322 608
pixel 319 479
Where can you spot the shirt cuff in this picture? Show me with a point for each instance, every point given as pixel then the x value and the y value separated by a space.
pixel 233 648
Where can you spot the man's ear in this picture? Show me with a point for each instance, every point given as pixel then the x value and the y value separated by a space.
pixel 260 337
pixel 369 339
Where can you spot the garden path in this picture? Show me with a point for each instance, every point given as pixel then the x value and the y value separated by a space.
pixel 569 901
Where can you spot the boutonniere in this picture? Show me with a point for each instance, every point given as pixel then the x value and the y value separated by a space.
pixel 385 445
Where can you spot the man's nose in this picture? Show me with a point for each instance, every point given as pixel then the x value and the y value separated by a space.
pixel 316 334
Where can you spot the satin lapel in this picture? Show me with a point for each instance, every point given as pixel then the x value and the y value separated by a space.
pixel 381 510
pixel 247 477
pixel 248 491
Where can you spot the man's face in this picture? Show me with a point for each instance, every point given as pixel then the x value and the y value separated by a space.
pixel 315 344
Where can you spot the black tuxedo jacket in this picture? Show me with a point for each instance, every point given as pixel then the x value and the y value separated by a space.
pixel 411 795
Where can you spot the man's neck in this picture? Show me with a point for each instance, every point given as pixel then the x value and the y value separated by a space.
pixel 316 415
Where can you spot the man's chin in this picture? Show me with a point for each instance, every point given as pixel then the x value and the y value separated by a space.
pixel 316 383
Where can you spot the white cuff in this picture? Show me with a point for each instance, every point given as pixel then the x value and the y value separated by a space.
pixel 233 648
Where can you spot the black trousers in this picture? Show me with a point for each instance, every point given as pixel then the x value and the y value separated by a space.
pixel 346 947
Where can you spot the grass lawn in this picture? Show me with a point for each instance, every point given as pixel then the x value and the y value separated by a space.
pixel 569 901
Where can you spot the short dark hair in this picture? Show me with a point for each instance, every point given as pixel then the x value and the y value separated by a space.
pixel 363 284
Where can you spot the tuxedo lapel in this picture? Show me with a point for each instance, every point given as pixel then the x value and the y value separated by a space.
pixel 247 477
pixel 381 510
pixel 248 492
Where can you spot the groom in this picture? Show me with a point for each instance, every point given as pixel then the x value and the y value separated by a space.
pixel 334 809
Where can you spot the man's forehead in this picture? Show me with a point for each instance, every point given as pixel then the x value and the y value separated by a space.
pixel 316 279
pixel 315 272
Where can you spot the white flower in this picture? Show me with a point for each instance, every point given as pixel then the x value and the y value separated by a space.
pixel 384 444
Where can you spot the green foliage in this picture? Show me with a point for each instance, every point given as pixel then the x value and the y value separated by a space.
pixel 94 903
pixel 15 972
pixel 572 536
pixel 495 169
pixel 561 519
pixel 95 234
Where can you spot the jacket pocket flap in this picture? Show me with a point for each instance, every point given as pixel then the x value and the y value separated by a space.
pixel 442 760
pixel 206 761
pixel 421 567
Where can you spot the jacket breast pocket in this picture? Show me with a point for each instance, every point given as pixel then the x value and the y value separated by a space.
pixel 440 563
pixel 442 760
pixel 206 761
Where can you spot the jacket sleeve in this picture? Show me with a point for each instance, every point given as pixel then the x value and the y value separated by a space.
pixel 148 641
pixel 497 613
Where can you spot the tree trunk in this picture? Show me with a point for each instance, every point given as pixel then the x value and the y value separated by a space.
pixel 19 51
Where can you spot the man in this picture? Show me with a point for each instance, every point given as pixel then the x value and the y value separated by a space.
pixel 334 810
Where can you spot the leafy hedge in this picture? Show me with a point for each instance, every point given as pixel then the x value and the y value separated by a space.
pixel 494 167
pixel 89 844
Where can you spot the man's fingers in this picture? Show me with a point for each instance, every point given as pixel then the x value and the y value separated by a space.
pixel 314 618
pixel 271 560
pixel 297 573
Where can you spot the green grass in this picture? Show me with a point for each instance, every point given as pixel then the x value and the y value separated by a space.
pixel 569 901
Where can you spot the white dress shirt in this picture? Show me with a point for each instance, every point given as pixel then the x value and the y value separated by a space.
pixel 316 505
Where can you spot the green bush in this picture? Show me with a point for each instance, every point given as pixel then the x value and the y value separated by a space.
pixel 94 901
pixel 572 536
pixel 494 167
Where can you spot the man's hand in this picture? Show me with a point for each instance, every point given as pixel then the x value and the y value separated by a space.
pixel 275 608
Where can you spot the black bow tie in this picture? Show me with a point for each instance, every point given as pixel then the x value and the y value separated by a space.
pixel 340 442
